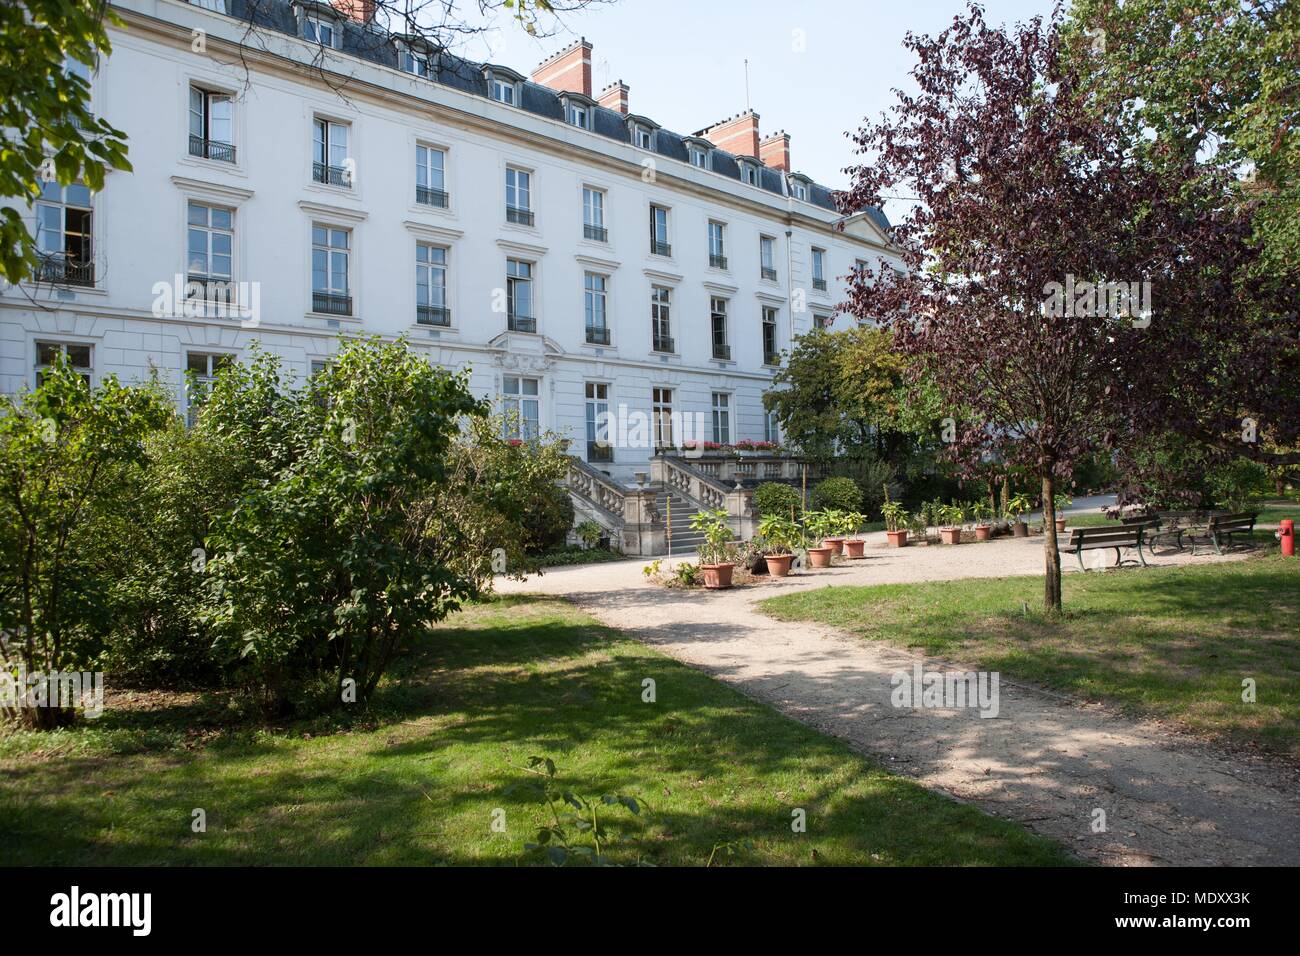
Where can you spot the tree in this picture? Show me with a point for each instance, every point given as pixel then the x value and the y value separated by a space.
pixel 47 132
pixel 1024 188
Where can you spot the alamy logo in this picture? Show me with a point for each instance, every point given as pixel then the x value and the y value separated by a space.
pixel 1115 300
pixel 103 909
pixel 56 690
pixel 953 690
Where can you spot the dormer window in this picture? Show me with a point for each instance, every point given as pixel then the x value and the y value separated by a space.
pixel 799 188
pixel 319 30
pixel 749 172
pixel 503 85
pixel 642 132
pixel 577 110
pixel 699 157
pixel 415 60
pixel 578 115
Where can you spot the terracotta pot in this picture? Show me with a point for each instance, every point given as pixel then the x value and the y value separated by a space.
pixel 950 535
pixel 836 544
pixel 717 575
pixel 1060 524
pixel 853 547
pixel 982 532
pixel 1020 529
pixel 897 539
pixel 778 565
pixel 820 557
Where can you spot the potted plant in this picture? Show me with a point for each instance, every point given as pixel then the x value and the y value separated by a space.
pixel 1017 506
pixel 896 522
pixel 834 530
pixel 1061 501
pixel 952 516
pixel 715 551
pixel 850 523
pixel 981 512
pixel 781 536
pixel 818 525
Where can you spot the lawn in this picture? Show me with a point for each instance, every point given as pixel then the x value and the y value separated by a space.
pixel 418 779
pixel 1174 643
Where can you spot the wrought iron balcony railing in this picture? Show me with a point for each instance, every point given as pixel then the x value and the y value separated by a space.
pixel 523 217
pixel 597 335
pixel 768 273
pixel 60 270
pixel 329 303
pixel 331 175
pixel 521 323
pixel 661 248
pixel 595 233
pixel 819 285
pixel 717 262
pixel 600 451
pixel 664 343
pixel 722 352
pixel 429 196
pixel 212 149
pixel 210 289
pixel 433 315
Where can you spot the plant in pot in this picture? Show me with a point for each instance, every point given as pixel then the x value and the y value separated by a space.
pixel 850 523
pixel 1061 502
pixel 589 533
pixel 897 521
pixel 951 517
pixel 715 550
pixel 781 535
pixel 1017 506
pixel 981 512
pixel 818 524
pixel 834 530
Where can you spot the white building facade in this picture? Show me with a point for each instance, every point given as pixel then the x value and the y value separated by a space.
pixel 318 176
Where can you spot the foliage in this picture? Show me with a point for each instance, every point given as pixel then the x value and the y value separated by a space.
pixel 562 557
pixel 823 524
pixel 714 549
pixel 1018 505
pixel 72 461
pixel 842 494
pixel 1060 502
pixel 777 498
pixel 780 534
pixel 589 532
pixel 683 574
pixel 951 515
pixel 1234 483
pixel 874 477
pixel 895 515
pixel 980 511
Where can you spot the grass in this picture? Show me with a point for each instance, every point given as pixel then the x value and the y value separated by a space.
pixel 417 781
pixel 1173 642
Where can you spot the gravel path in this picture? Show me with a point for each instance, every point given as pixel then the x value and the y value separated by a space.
pixel 1045 761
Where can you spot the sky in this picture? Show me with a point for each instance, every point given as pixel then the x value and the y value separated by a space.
pixel 816 67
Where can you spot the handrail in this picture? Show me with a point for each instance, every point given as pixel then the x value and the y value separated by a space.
pixel 597 488
pixel 694 485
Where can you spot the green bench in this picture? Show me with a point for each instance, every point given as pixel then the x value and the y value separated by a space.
pixel 1222 528
pixel 1126 537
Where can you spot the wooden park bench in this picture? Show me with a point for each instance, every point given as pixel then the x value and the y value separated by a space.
pixel 1128 536
pixel 1222 528
pixel 1175 524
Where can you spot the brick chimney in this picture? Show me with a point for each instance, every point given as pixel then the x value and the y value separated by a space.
pixel 362 11
pixel 738 134
pixel 614 97
pixel 775 151
pixel 567 71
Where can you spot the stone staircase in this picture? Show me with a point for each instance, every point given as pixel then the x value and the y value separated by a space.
pixel 685 541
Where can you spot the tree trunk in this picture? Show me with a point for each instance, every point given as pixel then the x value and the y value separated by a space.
pixel 1052 586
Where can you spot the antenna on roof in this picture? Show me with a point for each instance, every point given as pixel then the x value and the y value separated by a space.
pixel 747 83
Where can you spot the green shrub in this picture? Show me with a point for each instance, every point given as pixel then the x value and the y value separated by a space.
pixel 775 498
pixel 838 494
pixel 872 477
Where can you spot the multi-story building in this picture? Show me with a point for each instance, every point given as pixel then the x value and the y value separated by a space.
pixel 300 173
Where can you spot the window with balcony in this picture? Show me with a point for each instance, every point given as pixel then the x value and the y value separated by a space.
pixel 593 215
pixel 64 221
pixel 431 285
pixel 599 446
pixel 767 257
pixel 659 232
pixel 718 319
pixel 661 413
pixel 520 407
pixel 722 418
pixel 201 370
pixel 519 196
pixel 819 269
pixel 330 262
pixel 209 249
pixel 330 163
pixel 212 127
pixel 520 316
pixel 771 353
pixel 595 288
pixel 717 245
pixel 431 176
pixel 660 319
pixel 77 356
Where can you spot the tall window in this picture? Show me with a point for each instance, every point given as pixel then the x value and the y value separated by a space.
pixel 519 296
pixel 212 126
pixel 431 176
pixel 330 248
pixel 660 324
pixel 594 293
pixel 431 285
pixel 661 412
pixel 771 427
pixel 201 369
pixel 717 245
pixel 330 153
pixel 77 355
pixel 521 407
pixel 593 214
pixel 63 235
pixel 210 239
pixel 722 418
pixel 659 231
pixel 771 354
pixel 767 257
pixel 819 269
pixel 718 316
pixel 599 447
pixel 519 196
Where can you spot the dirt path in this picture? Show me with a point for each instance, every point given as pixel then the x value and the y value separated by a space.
pixel 1044 761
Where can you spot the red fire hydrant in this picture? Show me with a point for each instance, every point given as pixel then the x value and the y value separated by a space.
pixel 1286 534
